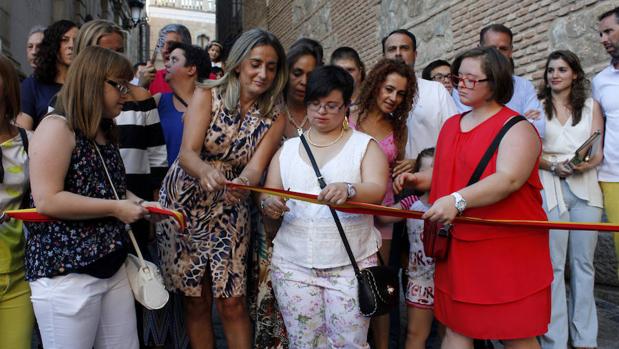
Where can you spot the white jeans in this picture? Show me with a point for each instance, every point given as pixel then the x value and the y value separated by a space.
pixel 576 317
pixel 80 311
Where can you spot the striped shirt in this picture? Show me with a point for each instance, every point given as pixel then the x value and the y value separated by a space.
pixel 142 146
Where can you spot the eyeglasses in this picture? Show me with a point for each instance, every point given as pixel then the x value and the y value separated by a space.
pixel 123 89
pixel 330 108
pixel 441 77
pixel 468 83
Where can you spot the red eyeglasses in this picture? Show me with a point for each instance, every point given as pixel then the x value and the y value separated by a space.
pixel 468 83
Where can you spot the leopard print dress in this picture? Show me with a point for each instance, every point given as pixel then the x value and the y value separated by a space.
pixel 217 235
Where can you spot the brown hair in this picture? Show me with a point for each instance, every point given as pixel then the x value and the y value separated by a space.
pixel 578 90
pixel 371 87
pixel 81 98
pixel 10 102
pixel 496 68
pixel 230 86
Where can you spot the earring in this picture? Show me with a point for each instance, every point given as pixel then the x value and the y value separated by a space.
pixel 345 124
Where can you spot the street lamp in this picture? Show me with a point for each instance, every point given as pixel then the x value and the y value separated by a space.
pixel 137 8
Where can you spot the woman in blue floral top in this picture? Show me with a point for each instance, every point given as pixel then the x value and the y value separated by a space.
pixel 80 291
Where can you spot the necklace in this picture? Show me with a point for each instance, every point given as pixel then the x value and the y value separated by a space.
pixel 294 123
pixel 180 99
pixel 309 139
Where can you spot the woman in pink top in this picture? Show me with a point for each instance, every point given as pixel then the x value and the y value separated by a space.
pixel 386 97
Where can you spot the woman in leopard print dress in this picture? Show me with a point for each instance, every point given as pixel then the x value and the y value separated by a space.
pixel 233 142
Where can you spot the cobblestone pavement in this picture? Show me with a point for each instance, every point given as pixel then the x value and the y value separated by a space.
pixel 606 298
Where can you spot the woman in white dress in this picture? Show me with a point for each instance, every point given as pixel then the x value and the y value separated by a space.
pixel 313 279
pixel 571 193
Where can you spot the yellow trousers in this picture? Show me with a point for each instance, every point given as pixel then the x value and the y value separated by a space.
pixel 611 206
pixel 16 314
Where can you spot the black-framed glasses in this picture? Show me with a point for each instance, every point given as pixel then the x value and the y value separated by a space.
pixel 468 83
pixel 441 77
pixel 330 108
pixel 123 89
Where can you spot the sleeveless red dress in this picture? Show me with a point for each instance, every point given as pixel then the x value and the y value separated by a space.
pixel 495 282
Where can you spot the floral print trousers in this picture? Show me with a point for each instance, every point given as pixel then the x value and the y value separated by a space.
pixel 320 306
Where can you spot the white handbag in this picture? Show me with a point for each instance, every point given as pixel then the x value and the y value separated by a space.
pixel 145 280
pixel 144 276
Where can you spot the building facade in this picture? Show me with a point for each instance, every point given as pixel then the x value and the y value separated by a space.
pixel 444 28
pixel 197 15
pixel 17 17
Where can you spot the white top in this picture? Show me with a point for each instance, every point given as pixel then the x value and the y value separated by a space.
pixel 308 236
pixel 433 106
pixel 560 144
pixel 415 226
pixel 523 100
pixel 606 92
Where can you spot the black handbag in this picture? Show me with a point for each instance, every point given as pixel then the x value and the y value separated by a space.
pixel 437 236
pixel 378 286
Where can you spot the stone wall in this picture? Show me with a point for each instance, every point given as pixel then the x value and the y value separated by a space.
pixel 443 29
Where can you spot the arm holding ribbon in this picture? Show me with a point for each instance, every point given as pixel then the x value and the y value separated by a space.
pixel 50 155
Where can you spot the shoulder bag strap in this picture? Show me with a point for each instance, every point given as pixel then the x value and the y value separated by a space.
pixel 321 182
pixel 25 201
pixel 483 163
pixel 24 138
pixel 127 226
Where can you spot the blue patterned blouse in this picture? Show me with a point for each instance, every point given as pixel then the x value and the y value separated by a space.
pixel 65 246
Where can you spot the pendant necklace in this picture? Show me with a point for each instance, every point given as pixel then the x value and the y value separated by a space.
pixel 294 123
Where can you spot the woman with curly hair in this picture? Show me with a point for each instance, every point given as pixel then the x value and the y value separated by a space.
pixel 386 97
pixel 52 63
pixel 571 193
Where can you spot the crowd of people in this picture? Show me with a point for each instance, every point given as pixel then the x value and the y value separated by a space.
pixel 93 140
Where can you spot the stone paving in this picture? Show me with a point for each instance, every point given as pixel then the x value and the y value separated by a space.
pixel 606 298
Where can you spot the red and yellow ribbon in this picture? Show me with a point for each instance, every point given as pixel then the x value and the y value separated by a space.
pixel 31 215
pixel 378 210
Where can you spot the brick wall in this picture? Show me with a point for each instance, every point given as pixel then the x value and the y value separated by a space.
pixel 332 22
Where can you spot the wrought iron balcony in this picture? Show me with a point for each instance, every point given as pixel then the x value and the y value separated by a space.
pixel 192 5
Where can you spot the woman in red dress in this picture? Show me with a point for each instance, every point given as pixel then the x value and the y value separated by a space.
pixel 495 281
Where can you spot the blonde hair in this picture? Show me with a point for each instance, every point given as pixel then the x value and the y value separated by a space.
pixel 81 99
pixel 230 85
pixel 91 32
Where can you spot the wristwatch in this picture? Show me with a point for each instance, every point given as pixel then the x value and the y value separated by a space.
pixel 460 202
pixel 351 191
pixel 553 167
